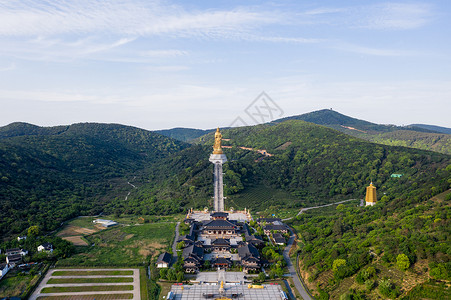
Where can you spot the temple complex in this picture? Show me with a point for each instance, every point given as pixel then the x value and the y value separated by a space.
pixel 222 240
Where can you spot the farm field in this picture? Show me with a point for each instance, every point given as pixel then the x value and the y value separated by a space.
pixel 260 197
pixel 89 297
pixel 92 273
pixel 87 288
pixel 90 280
pixel 77 228
pixel 123 245
pixel 69 283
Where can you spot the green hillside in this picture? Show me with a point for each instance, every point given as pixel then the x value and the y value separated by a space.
pixel 426 137
pixel 184 134
pixel 439 129
pixel 398 248
pixel 52 174
pixel 310 165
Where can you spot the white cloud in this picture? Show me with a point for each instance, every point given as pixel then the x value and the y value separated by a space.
pixel 397 16
pixel 380 16
pixel 143 18
pixel 164 53
pixel 373 51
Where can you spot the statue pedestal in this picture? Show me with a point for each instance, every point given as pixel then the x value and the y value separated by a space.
pixel 218 160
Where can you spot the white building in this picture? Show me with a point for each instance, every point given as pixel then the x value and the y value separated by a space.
pixel 164 260
pixel 104 223
pixel 4 268
pixel 45 247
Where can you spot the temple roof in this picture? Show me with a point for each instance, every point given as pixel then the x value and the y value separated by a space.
pixel 219 214
pixel 221 242
pixel 248 250
pixel 219 224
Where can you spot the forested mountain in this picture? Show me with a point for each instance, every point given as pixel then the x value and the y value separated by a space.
pixel 426 137
pixel 439 129
pixel 338 121
pixel 306 164
pixel 50 174
pixel 184 134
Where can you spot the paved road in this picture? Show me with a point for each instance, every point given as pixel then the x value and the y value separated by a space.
pixel 297 283
pixel 290 291
pixel 136 287
pixel 308 208
pixel 174 244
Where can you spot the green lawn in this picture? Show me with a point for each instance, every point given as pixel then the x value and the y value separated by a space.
pixel 123 246
pixel 89 297
pixel 90 280
pixel 94 288
pixel 93 272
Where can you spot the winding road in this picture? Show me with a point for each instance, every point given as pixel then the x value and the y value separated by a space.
pixel 313 207
pixel 297 282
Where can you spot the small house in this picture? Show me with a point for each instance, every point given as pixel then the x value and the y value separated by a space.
pixel 45 247
pixel 15 251
pixel 275 228
pixel 21 238
pixel 278 239
pixel 164 260
pixel 14 259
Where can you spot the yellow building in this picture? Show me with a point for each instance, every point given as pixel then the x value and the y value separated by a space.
pixel 370 197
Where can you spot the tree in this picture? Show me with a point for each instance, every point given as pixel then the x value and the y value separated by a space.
pixel 403 262
pixel 163 273
pixel 207 264
pixel 180 276
pixel 337 263
pixel 34 230
pixel 172 274
pixel 181 245
pixel 261 276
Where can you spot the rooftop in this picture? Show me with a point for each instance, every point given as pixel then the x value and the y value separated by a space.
pixel 196 292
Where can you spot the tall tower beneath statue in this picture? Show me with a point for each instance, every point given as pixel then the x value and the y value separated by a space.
pixel 370 197
pixel 218 158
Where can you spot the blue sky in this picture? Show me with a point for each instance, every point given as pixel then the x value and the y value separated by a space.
pixel 162 64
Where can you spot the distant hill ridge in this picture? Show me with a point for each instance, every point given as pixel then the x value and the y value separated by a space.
pixel 420 136
pixel 336 120
pixel 433 128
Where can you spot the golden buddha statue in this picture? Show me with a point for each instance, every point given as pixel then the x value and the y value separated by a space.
pixel 217 146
